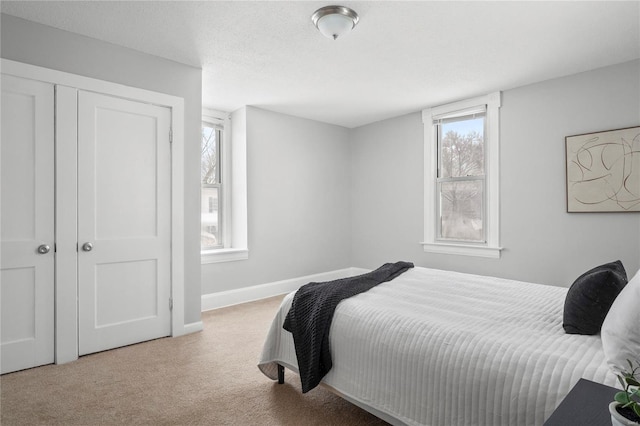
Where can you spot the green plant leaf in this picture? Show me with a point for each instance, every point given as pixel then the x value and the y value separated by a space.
pixel 636 408
pixel 622 397
pixel 632 381
pixel 621 380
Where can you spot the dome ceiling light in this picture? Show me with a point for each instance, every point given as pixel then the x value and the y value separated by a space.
pixel 335 21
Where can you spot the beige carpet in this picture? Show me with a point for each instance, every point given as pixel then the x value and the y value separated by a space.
pixel 203 378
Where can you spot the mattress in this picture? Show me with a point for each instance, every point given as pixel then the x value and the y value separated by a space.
pixel 437 347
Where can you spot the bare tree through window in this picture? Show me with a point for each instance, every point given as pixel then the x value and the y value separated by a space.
pixel 210 221
pixel 209 156
pixel 461 179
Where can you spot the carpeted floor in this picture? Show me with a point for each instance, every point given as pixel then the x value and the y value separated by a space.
pixel 209 378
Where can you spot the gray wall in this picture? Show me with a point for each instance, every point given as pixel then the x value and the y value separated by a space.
pixel 298 202
pixel 36 44
pixel 323 197
pixel 542 242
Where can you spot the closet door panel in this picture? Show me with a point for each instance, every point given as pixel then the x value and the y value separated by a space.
pixel 27 224
pixel 123 222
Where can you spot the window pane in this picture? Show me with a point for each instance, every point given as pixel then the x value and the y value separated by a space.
pixel 209 169
pixel 209 226
pixel 210 221
pixel 461 210
pixel 461 148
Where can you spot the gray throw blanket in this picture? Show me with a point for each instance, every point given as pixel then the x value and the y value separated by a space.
pixel 309 318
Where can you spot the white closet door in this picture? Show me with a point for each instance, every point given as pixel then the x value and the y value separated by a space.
pixel 27 224
pixel 123 222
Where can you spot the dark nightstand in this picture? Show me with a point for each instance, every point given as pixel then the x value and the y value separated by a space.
pixel 586 405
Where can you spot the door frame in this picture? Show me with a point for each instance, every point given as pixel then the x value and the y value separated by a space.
pixel 66 142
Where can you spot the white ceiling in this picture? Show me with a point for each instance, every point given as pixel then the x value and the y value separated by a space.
pixel 402 56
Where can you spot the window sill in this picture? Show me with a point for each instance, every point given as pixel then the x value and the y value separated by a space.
pixel 463 249
pixel 223 255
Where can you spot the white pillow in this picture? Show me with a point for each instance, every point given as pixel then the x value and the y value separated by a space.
pixel 621 327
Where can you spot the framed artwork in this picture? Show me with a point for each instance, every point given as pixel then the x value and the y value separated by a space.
pixel 603 171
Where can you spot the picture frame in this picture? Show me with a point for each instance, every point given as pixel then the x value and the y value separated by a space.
pixel 603 171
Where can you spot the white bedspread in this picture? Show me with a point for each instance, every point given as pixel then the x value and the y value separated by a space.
pixel 443 348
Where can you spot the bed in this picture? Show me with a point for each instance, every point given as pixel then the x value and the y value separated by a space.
pixel 438 347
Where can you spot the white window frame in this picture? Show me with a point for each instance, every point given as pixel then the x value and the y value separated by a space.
pixel 233 179
pixel 491 247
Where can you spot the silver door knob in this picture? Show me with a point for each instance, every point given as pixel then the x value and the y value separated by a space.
pixel 44 249
pixel 87 247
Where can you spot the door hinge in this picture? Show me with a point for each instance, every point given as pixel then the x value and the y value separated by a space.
pixel 170 135
pixel 171 304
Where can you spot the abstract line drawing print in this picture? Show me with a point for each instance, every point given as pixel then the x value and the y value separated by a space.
pixel 603 171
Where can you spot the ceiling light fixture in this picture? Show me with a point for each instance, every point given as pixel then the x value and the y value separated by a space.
pixel 335 21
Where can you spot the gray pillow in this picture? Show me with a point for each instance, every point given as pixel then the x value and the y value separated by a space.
pixel 590 297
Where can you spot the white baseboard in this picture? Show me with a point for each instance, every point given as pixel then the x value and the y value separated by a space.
pixel 193 327
pixel 262 291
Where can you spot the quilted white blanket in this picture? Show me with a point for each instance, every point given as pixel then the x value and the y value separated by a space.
pixel 436 347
